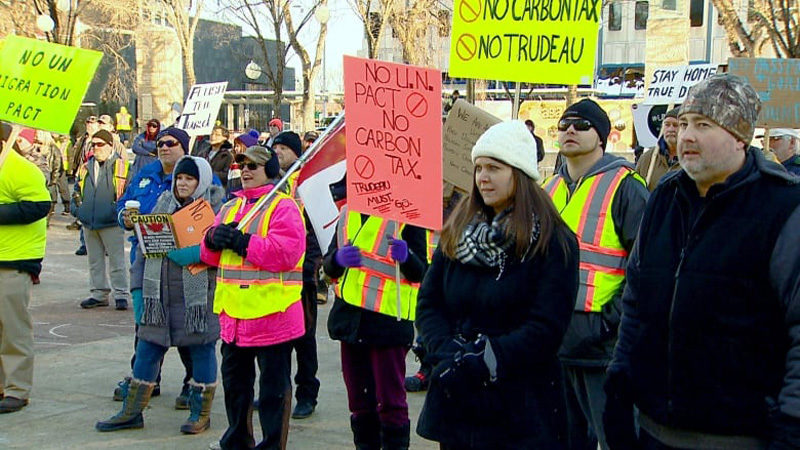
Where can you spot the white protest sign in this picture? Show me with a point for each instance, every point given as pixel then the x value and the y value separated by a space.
pixel 670 84
pixel 201 108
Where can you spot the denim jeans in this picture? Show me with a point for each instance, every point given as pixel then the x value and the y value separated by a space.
pixel 148 361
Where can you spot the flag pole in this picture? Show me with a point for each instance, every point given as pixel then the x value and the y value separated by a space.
pixel 315 147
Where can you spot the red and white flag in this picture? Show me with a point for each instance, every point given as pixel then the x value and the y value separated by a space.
pixel 321 185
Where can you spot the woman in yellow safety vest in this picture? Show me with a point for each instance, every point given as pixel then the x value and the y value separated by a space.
pixel 259 280
pixel 495 304
pixel 375 336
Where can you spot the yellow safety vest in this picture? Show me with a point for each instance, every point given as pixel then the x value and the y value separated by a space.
pixel 587 211
pixel 123 122
pixel 245 291
pixel 120 176
pixel 372 286
pixel 433 241
pixel 21 180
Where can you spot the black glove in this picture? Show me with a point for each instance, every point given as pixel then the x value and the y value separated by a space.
pixel 239 242
pixel 785 432
pixel 474 365
pixel 219 237
pixel 618 414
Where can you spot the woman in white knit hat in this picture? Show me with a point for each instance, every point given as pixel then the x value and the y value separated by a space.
pixel 495 304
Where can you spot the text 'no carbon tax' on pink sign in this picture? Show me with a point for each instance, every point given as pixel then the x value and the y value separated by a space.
pixel 394 141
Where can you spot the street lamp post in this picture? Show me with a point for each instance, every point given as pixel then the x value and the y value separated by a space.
pixel 322 15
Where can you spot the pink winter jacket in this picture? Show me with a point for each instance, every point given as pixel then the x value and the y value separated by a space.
pixel 279 251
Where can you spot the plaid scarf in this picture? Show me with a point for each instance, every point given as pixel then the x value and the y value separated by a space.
pixel 486 244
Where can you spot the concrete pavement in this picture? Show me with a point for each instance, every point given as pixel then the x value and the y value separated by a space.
pixel 81 354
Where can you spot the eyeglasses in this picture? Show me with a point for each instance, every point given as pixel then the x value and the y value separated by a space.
pixel 250 165
pixel 99 144
pixel 152 125
pixel 168 144
pixel 578 124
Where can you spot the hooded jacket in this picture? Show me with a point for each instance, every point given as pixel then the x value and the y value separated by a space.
pixel 174 334
pixel 590 337
pixel 710 335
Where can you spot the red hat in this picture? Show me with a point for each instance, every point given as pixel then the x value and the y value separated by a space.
pixel 277 123
pixel 29 134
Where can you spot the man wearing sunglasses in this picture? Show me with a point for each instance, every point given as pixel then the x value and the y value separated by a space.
pixel 145 187
pixel 602 199
pixel 784 143
pixel 100 182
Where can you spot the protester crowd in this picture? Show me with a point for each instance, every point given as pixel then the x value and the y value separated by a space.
pixel 646 306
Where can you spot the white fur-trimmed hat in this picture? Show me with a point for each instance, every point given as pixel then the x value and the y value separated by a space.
pixel 511 143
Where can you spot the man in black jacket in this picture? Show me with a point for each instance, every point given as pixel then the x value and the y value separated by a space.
pixel 24 204
pixel 217 151
pixel 709 343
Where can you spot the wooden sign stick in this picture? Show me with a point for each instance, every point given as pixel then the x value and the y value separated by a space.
pixel 8 146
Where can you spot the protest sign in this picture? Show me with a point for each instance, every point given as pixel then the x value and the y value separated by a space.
pixel 201 108
pixel 394 141
pixel 647 120
pixel 777 82
pixel 43 84
pixel 190 224
pixel 539 42
pixel 155 235
pixel 670 84
pixel 464 125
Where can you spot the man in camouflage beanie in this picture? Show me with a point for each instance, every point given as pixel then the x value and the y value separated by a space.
pixel 710 331
pixel 716 124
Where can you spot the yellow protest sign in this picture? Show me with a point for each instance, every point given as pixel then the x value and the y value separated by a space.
pixel 538 41
pixel 42 84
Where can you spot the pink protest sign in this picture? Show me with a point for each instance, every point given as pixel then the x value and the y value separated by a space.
pixel 394 141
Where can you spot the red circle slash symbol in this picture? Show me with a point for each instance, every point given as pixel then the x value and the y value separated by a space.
pixel 469 10
pixel 417 105
pixel 466 46
pixel 364 166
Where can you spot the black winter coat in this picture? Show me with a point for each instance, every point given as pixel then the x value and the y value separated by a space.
pixel 525 315
pixel 354 325
pixel 710 333
pixel 221 161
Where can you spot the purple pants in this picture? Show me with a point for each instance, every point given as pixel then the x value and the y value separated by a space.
pixel 374 379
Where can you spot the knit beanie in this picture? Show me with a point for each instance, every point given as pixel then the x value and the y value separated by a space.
pixel 249 139
pixel 188 167
pixel 105 136
pixel 291 140
pixel 729 101
pixel 178 134
pixel 276 123
pixel 511 143
pixel 591 111
pixel 673 112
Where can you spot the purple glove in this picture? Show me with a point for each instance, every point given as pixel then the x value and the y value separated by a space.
pixel 398 250
pixel 348 256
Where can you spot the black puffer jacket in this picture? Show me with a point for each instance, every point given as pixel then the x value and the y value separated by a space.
pixel 525 314
pixel 354 325
pixel 710 334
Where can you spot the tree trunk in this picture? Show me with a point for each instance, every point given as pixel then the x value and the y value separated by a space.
pixel 572 94
pixel 187 51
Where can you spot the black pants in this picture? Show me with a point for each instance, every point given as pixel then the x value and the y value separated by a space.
pixel 306 348
pixel 185 354
pixel 274 396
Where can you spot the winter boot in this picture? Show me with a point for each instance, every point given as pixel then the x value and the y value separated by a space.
pixel 131 414
pixel 396 438
pixel 366 431
pixel 121 391
pixel 200 398
pixel 182 400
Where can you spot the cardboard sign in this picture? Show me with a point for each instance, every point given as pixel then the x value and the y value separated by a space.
pixel 777 82
pixel 43 84
pixel 539 42
pixel 464 125
pixel 201 108
pixel 671 84
pixel 647 120
pixel 394 147
pixel 190 225
pixel 155 235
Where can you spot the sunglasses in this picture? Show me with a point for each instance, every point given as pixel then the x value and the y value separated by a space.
pixel 99 144
pixel 578 124
pixel 250 165
pixel 152 125
pixel 168 144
